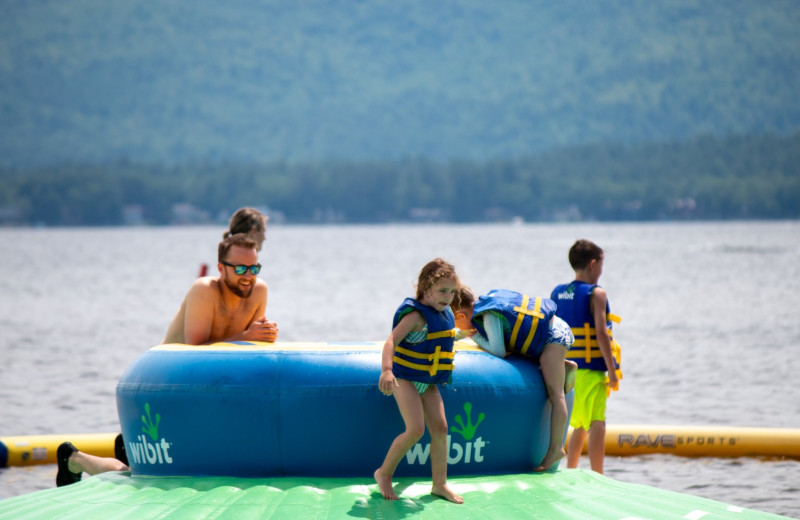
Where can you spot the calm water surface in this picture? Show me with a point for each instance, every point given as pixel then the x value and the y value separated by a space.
pixel 709 333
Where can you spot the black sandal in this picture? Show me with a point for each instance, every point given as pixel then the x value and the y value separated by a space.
pixel 119 450
pixel 65 477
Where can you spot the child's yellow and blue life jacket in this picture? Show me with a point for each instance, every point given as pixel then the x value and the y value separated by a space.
pixel 528 319
pixel 573 307
pixel 430 361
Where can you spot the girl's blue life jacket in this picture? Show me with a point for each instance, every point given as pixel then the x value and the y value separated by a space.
pixel 528 319
pixel 430 361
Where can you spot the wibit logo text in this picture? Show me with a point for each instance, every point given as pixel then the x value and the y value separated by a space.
pixel 148 448
pixel 569 294
pixel 469 451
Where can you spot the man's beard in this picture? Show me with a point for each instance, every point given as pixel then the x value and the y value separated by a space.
pixel 238 291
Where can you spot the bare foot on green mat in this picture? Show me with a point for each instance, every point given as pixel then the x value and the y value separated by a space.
pixel 385 485
pixel 447 493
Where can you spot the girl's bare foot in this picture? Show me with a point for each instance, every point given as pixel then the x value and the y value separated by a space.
pixel 549 459
pixel 385 485
pixel 447 493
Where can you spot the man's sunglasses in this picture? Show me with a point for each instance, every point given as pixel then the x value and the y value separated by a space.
pixel 241 269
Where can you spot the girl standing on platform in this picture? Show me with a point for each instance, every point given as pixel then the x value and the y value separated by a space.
pixel 422 326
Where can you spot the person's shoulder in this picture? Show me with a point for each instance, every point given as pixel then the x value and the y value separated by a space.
pixel 260 286
pixel 412 315
pixel 406 306
pixel 206 281
pixel 598 293
pixel 204 285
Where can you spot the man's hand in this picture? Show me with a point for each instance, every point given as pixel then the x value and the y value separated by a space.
pixel 262 330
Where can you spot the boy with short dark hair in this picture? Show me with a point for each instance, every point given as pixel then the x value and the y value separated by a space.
pixel 584 306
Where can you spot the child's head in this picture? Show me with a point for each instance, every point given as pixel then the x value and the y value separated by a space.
pixel 463 307
pixel 437 283
pixel 585 255
pixel 251 222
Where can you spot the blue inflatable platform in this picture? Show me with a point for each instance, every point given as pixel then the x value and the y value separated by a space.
pixel 314 409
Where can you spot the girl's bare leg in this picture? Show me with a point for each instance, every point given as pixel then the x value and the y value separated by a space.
pixel 410 405
pixel 553 371
pixel 437 427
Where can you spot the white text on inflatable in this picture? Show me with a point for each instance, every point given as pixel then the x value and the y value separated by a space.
pixel 144 452
pixel 456 452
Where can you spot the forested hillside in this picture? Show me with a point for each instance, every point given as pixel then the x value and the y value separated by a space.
pixel 752 177
pixel 202 81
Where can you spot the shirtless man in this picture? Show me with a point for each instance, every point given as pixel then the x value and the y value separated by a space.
pixel 226 308
pixel 229 307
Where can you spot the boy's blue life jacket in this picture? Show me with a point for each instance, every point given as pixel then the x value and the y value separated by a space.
pixel 430 361
pixel 528 319
pixel 573 307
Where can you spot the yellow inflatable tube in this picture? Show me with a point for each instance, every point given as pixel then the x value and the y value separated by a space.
pixel 621 440
pixel 25 450
pixel 701 441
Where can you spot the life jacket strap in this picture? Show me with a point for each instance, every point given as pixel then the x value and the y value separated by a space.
pixel 589 341
pixel 616 351
pixel 432 367
pixel 523 311
pixel 590 345
pixel 442 334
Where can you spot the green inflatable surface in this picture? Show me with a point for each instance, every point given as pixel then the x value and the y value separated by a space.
pixel 565 494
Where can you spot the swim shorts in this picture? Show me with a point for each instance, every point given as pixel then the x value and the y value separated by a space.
pixel 559 332
pixel 590 398
pixel 414 337
pixel 421 387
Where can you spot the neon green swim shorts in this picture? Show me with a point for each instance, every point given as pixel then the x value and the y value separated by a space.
pixel 590 398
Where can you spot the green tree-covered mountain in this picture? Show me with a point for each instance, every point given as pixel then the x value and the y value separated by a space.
pixel 171 82
pixel 705 178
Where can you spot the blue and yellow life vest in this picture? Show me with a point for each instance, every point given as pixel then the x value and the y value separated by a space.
pixel 430 361
pixel 528 319
pixel 573 307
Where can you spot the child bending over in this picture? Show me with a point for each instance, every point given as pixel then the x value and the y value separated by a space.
pixel 511 322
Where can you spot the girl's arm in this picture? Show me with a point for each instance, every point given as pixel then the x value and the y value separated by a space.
pixel 410 322
pixel 495 343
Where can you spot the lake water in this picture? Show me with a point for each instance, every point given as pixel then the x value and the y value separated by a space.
pixel 710 328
